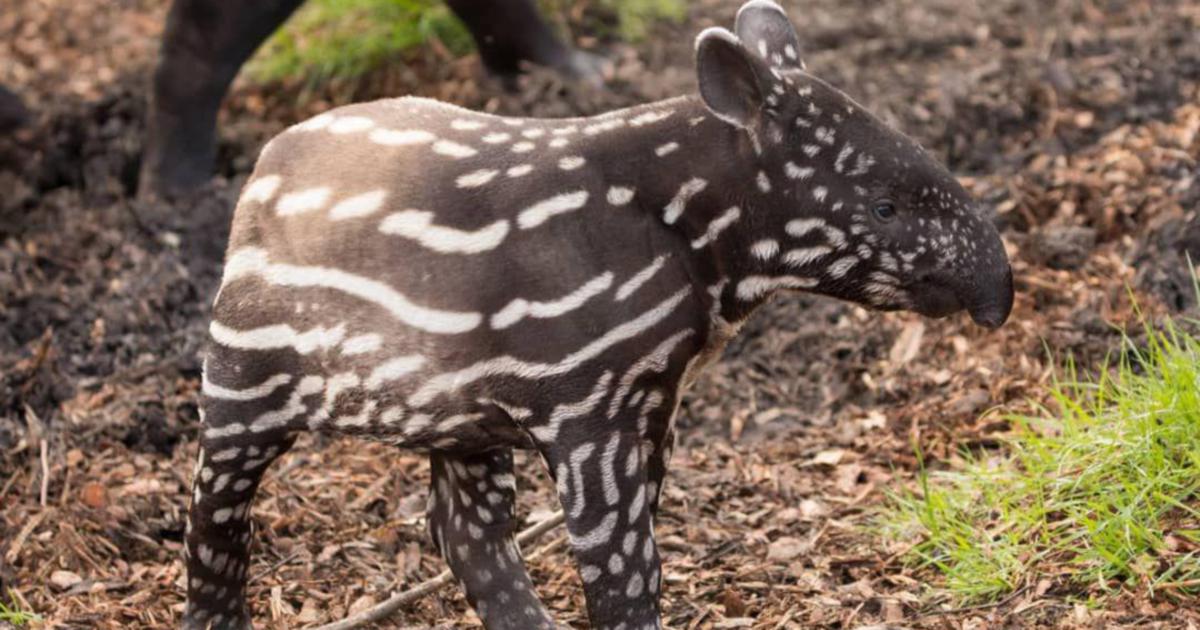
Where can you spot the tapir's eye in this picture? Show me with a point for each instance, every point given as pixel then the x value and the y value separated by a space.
pixel 884 210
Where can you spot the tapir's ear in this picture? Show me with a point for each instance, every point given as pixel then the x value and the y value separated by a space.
pixel 732 81
pixel 764 28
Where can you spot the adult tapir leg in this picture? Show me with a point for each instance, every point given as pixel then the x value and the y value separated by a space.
pixel 207 41
pixel 508 32
pixel 204 45
pixel 600 469
pixel 472 519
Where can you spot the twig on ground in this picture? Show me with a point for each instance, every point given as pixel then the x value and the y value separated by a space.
pixel 19 541
pixel 385 609
pixel 997 604
pixel 43 447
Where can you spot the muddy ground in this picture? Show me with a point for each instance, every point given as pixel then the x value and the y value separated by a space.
pixel 1077 120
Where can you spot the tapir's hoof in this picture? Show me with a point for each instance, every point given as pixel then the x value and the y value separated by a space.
pixel 175 177
pixel 217 621
pixel 587 67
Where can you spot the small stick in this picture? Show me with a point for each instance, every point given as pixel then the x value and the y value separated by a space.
pixel 45 472
pixel 385 609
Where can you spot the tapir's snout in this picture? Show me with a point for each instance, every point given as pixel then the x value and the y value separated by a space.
pixel 993 299
pixel 986 292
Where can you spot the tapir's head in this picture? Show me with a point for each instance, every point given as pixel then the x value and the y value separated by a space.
pixel 853 208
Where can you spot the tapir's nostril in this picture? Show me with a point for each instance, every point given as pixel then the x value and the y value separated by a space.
pixel 994 309
pixel 989 317
pixel 924 277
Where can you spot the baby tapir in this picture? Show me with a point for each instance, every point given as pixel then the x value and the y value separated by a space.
pixel 466 284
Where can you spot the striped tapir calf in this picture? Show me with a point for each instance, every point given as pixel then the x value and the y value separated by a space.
pixel 465 284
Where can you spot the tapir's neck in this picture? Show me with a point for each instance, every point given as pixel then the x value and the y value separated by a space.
pixel 697 177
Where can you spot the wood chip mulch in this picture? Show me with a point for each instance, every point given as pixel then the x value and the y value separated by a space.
pixel 1078 120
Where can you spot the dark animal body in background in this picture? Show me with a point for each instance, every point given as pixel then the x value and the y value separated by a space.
pixel 13 113
pixel 465 284
pixel 207 41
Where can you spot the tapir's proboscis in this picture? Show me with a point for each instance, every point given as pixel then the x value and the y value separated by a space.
pixel 464 284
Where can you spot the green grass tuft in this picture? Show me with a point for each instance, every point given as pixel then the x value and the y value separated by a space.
pixel 16 616
pixel 346 38
pixel 635 17
pixel 1103 494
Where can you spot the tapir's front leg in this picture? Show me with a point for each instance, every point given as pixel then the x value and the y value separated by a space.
pixel 472 519
pixel 600 469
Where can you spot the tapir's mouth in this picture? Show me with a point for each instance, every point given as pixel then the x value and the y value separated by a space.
pixel 988 303
pixel 932 299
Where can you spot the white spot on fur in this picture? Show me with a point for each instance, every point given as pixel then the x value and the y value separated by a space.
pixel 718 225
pixel 394 369
pixel 542 211
pixel 620 195
pixel 453 149
pixel 399 138
pixel 359 205
pixel 798 228
pixel 650 117
pixel 262 390
pixel 520 170
pixel 675 208
pixel 841 266
pixel 571 163
pixel 362 344
pixel 303 201
pixel 316 123
pixel 641 277
pixel 601 127
pixel 839 165
pixel 519 309
pixel 476 179
pixel 262 189
pixel 765 249
pixel 755 287
pixel 277 336
pixel 418 225
pixel 351 124
pixel 764 182
pixel 805 255
pixel 798 172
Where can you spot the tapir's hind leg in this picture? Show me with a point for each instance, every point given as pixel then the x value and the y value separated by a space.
pixel 472 519
pixel 232 460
